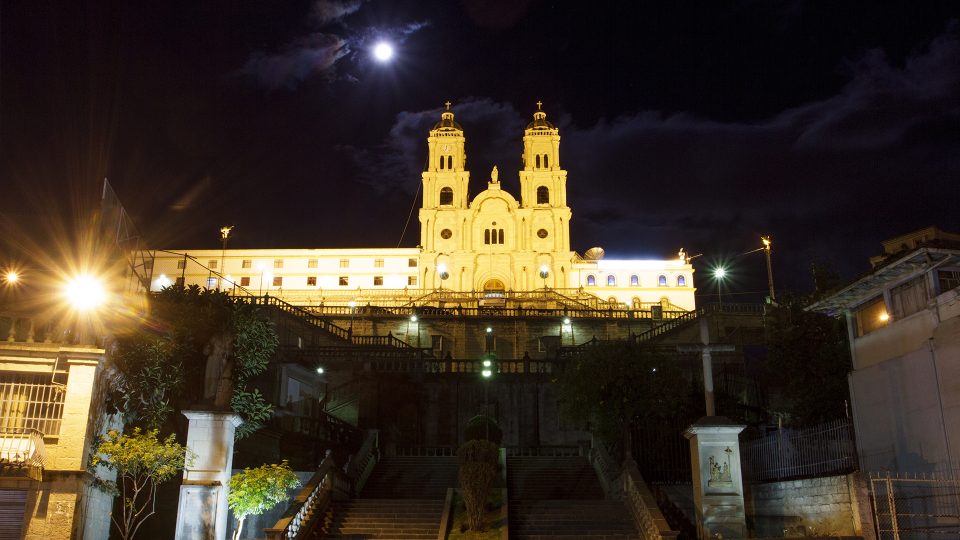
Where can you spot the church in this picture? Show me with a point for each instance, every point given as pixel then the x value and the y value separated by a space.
pixel 490 250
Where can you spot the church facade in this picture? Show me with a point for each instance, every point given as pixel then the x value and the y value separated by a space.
pixel 491 246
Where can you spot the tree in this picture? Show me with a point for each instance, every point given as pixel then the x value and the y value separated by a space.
pixel 141 462
pixel 198 346
pixel 478 469
pixel 254 491
pixel 613 385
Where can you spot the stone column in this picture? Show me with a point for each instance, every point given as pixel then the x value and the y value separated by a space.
pixel 717 478
pixel 202 511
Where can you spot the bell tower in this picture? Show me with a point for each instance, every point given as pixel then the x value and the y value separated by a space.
pixel 445 183
pixel 543 184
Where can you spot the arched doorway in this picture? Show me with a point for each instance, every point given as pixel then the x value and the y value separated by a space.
pixel 494 293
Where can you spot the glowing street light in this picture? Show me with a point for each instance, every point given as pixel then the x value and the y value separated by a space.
pixel 766 248
pixel 383 52
pixel 544 274
pixel 320 370
pixel 85 293
pixel 719 273
pixel 11 277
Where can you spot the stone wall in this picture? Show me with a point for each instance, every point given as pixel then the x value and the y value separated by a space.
pixel 827 506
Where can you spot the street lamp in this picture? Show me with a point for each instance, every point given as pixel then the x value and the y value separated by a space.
pixel 353 309
pixel 719 273
pixel 224 235
pixel 85 293
pixel 443 273
pixel 544 274
pixel 766 248
pixel 11 277
pixel 416 321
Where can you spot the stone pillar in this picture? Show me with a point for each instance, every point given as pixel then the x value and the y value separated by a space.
pixel 717 478
pixel 202 511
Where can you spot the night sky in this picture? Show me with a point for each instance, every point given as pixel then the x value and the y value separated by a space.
pixel 828 125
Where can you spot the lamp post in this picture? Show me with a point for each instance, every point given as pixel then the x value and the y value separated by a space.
pixel 353 309
pixel 442 273
pixel 416 321
pixel 544 274
pixel 224 235
pixel 719 273
pixel 767 243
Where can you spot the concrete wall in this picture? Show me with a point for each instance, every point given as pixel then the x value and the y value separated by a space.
pixel 828 506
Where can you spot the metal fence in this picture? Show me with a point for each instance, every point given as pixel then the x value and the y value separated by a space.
pixel 30 401
pixel 826 449
pixel 923 506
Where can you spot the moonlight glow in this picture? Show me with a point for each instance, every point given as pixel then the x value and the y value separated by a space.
pixel 383 51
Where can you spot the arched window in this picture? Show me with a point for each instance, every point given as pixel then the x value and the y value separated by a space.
pixel 486 236
pixel 591 281
pixel 538 161
pixel 662 281
pixel 443 162
pixel 611 280
pixel 543 195
pixel 449 162
pixel 546 161
pixel 681 281
pixel 634 281
pixel 636 303
pixel 500 236
pixel 446 196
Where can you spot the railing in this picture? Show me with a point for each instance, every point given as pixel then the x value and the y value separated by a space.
pixel 916 505
pixel 606 468
pixel 545 451
pixel 320 425
pixel 30 401
pixel 826 449
pixel 647 517
pixel 424 451
pixel 22 452
pixel 490 311
pixel 16 327
pixel 361 466
pixel 312 501
pixel 429 365
pixel 298 312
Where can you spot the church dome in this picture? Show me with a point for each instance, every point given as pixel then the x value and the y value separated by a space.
pixel 447 122
pixel 540 121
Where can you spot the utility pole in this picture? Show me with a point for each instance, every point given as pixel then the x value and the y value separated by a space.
pixel 224 235
pixel 766 248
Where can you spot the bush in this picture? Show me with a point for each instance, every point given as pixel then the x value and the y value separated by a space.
pixel 478 470
pixel 480 426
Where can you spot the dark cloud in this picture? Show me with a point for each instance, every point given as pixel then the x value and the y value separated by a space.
pixel 327 11
pixel 309 55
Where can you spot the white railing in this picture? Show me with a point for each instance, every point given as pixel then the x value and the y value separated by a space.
pixel 310 502
pixel 825 449
pixel 30 401
pixel 22 449
pixel 647 517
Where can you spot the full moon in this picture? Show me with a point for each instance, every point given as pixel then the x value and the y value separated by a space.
pixel 383 51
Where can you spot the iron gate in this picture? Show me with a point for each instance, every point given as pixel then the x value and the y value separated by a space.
pixel 921 506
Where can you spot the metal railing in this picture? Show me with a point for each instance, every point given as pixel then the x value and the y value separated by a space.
pixel 424 451
pixel 826 449
pixel 545 451
pixel 30 401
pixel 22 452
pixel 916 505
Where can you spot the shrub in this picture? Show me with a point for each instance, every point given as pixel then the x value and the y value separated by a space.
pixel 478 469
pixel 483 427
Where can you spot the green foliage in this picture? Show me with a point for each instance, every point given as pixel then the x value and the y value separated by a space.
pixel 253 408
pixel 141 462
pixel 160 369
pixel 483 427
pixel 255 491
pixel 478 470
pixel 809 353
pixel 612 385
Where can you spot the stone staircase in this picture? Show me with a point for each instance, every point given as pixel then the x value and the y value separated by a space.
pixel 561 497
pixel 403 499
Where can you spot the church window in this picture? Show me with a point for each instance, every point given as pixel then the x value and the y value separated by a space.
pixel 634 281
pixel 538 161
pixel 212 263
pixel 493 236
pixel 344 263
pixel 546 161
pixel 681 281
pixel 378 263
pixel 662 281
pixel 611 280
pixel 486 236
pixel 245 281
pixel 278 281
pixel 412 281
pixel 591 281
pixel 446 196
pixel 247 263
pixel 311 281
pixel 446 234
pixel 412 263
pixel 311 263
pixel 181 264
pixel 542 233
pixel 344 281
pixel 278 263
pixel 500 236
pixel 543 195
pixel 443 162
pixel 377 281
pixel 449 162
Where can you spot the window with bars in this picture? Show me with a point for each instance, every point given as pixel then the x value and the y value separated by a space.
pixel 30 400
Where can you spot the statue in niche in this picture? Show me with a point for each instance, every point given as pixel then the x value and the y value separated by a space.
pixel 720 472
pixel 495 175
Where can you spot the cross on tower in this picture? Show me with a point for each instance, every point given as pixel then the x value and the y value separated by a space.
pixel 539 105
pixel 706 350
pixel 447 104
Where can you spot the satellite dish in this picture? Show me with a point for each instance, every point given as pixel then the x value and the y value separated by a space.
pixel 594 254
